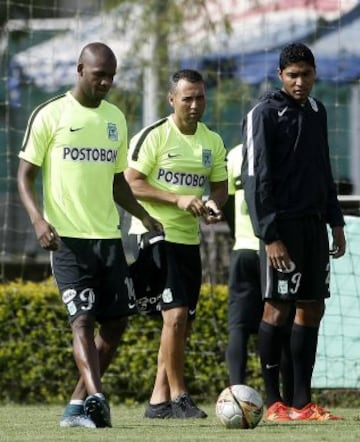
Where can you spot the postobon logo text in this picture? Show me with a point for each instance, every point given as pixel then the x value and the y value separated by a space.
pixel 181 178
pixel 100 155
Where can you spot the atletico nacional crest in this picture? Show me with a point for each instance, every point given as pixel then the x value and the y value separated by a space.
pixel 112 132
pixel 207 158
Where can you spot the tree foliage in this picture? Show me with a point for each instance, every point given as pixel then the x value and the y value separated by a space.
pixel 167 24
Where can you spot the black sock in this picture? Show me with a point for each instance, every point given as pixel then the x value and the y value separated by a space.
pixel 303 349
pixel 270 345
pixel 286 367
pixel 236 355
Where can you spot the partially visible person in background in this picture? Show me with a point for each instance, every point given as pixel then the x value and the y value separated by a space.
pixel 291 196
pixel 245 307
pixel 170 164
pixel 79 141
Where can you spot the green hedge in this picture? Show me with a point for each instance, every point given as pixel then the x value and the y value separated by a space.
pixel 36 362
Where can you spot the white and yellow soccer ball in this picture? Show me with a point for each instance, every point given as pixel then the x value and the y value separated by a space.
pixel 239 406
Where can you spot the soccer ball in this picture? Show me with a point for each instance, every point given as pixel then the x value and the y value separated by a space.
pixel 239 406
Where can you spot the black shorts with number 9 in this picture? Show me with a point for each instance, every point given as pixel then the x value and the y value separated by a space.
pixel 93 278
pixel 306 240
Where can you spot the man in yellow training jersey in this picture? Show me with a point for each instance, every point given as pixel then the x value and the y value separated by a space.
pixel 80 142
pixel 170 164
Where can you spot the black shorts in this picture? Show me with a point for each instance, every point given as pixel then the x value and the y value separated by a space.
pixel 245 306
pixel 307 243
pixel 183 277
pixel 165 275
pixel 93 278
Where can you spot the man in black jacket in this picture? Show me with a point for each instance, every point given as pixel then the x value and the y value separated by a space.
pixel 291 196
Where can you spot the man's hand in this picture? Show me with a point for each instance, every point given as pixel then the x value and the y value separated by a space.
pixel 213 213
pixel 339 243
pixel 278 256
pixel 46 235
pixel 191 204
pixel 151 224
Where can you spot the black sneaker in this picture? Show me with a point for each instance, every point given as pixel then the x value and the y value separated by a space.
pixel 159 411
pixel 98 411
pixel 183 407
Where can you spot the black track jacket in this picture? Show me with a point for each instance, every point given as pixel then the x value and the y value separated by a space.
pixel 286 167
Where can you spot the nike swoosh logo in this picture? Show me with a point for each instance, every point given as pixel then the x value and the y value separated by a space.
pixel 269 367
pixel 131 306
pixel 192 312
pixel 75 129
pixel 282 112
pixel 173 155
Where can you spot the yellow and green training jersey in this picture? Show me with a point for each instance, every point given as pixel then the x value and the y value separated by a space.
pixel 79 150
pixel 244 233
pixel 177 163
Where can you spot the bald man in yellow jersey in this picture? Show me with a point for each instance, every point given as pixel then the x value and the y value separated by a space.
pixel 170 164
pixel 80 142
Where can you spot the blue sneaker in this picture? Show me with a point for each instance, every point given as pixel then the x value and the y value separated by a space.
pixel 98 411
pixel 74 416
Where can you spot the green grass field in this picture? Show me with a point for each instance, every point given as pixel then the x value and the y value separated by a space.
pixel 41 423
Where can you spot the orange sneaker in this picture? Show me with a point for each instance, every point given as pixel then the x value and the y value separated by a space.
pixel 278 412
pixel 312 412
